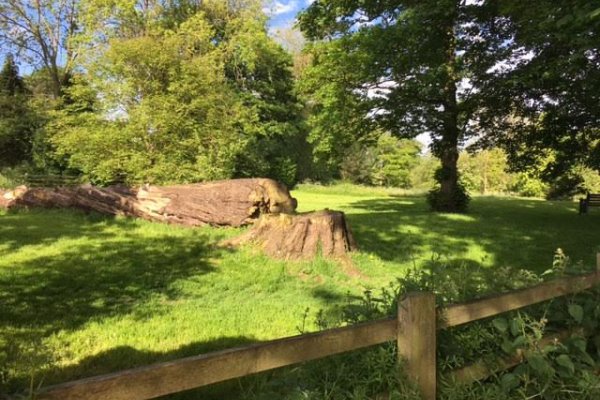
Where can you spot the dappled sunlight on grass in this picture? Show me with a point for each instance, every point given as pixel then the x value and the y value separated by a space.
pixel 497 231
pixel 85 294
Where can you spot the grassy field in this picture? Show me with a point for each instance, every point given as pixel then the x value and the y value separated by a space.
pixel 84 294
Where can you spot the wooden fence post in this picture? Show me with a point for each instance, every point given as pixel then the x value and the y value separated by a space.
pixel 417 340
pixel 598 262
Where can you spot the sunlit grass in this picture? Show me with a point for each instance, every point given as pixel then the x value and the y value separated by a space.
pixel 84 294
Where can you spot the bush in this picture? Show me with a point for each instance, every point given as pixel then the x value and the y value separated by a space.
pixel 357 166
pixel 523 184
pixel 455 201
pixel 387 163
pixel 561 370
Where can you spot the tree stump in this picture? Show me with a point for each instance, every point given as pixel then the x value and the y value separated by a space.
pixel 234 202
pixel 302 236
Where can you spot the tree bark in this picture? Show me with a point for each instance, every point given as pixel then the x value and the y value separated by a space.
pixel 448 146
pixel 302 236
pixel 234 202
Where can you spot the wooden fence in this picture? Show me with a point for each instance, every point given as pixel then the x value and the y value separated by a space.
pixel 414 329
pixel 51 180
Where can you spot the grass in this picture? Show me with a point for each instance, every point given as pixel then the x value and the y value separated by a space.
pixel 84 294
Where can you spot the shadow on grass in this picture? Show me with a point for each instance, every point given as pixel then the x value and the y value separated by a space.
pixel 63 288
pixel 125 357
pixel 21 228
pixel 515 232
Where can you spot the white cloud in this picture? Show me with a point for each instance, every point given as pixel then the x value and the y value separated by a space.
pixel 279 7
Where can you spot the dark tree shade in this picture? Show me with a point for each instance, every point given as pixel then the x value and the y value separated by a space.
pixel 410 63
pixel 523 75
pixel 10 82
pixel 17 122
pixel 544 109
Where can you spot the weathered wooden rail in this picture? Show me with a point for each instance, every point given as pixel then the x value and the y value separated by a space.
pixel 414 329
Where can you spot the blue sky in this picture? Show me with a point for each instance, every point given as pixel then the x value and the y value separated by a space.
pixel 282 13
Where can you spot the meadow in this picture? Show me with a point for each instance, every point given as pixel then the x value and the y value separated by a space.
pixel 84 294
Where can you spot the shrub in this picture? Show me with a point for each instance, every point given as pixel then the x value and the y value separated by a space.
pixel 455 201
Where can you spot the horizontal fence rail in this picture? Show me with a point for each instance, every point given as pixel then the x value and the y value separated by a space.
pixel 414 329
pixel 482 370
pixel 51 180
pixel 459 314
pixel 188 373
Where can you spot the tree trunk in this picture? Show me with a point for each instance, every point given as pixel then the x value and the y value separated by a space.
pixel 303 236
pixel 231 202
pixel 450 197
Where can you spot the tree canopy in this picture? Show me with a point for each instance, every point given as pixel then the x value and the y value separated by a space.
pixel 17 120
pixel 457 70
pixel 543 105
pixel 180 95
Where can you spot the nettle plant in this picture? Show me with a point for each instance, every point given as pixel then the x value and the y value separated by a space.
pixel 551 369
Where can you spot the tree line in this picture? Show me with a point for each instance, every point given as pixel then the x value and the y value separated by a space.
pixel 174 91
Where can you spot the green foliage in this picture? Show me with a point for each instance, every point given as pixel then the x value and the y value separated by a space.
pixel 394 160
pixel 18 121
pixel 360 375
pixel 422 174
pixel 141 292
pixel 400 66
pixel 206 97
pixel 548 102
pixel 556 370
pixel 523 184
pixel 386 163
pixel 336 112
pixel 488 171
pixel 454 198
pixel 11 83
pixel 357 166
pixel 485 171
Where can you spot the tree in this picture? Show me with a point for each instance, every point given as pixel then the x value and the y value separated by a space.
pixel 17 121
pixel 387 162
pixel 485 171
pixel 294 43
pixel 409 60
pixel 180 95
pixel 543 103
pixel 42 32
pixel 11 83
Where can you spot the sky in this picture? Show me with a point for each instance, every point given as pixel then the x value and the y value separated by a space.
pixel 282 13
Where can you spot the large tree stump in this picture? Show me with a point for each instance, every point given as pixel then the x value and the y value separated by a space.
pixel 301 236
pixel 233 202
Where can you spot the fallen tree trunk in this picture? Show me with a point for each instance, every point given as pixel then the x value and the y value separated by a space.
pixel 302 236
pixel 233 202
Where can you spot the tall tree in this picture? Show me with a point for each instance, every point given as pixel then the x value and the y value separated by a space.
pixel 543 102
pixel 180 95
pixel 11 83
pixel 407 67
pixel 42 31
pixel 16 119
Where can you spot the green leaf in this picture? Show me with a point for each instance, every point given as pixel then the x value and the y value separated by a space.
pixel 576 311
pixel 565 361
pixel 515 326
pixel 540 365
pixel 507 347
pixel 586 358
pixel 501 324
pixel 509 382
pixel 579 343
pixel 519 342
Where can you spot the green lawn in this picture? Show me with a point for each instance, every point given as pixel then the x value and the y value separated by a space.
pixel 83 294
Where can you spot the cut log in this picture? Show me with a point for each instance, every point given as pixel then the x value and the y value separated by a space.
pixel 232 202
pixel 302 236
